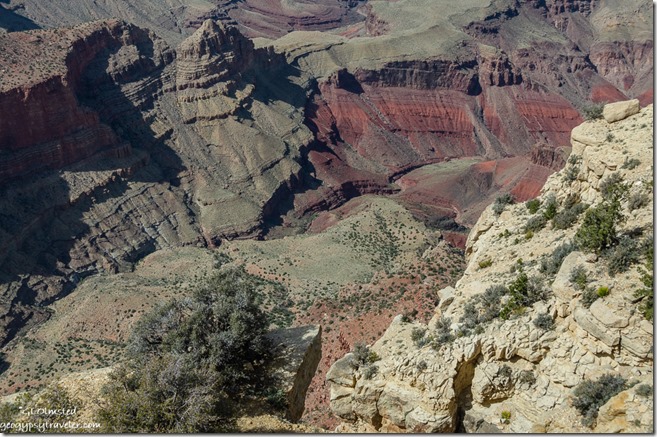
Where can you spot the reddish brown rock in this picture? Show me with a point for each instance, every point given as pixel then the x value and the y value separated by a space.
pixel 275 18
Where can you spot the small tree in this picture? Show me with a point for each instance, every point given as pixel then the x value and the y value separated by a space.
pixel 189 360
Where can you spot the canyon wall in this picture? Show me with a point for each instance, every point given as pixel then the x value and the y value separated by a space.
pixel 475 368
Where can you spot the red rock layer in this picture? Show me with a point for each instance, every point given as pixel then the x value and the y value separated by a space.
pixel 42 125
pixel 275 18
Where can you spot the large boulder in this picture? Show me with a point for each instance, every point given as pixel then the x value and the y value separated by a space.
pixel 620 110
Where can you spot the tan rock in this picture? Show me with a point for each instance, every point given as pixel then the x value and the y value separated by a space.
pixel 593 326
pixel 617 111
pixel 607 316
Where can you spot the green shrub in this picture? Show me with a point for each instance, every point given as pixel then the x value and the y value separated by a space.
pixel 190 360
pixel 644 390
pixel 363 356
pixel 544 321
pixel 529 235
pixel 578 277
pixel 570 173
pixel 591 395
pixel 535 223
pixel 482 308
pixel 622 256
pixel 523 291
pixel 568 217
pixel 551 206
pixel 593 111
pixel 409 316
pixel 533 205
pixel 613 188
pixel 443 333
pixel 485 264
pixel 277 398
pixel 598 230
pixel 418 335
pixel 574 159
pixel 501 202
pixel 646 294
pixel 602 291
pixel 505 417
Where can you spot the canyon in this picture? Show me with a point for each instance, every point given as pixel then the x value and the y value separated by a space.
pixel 126 131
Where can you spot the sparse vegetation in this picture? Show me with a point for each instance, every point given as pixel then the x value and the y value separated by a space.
pixel 622 256
pixel 598 230
pixel 485 263
pixel 646 294
pixel 419 337
pixel 505 417
pixel 501 202
pixel 578 277
pixel 533 205
pixel 481 309
pixel 551 264
pixel 631 164
pixel 535 223
pixel 592 111
pixel 524 291
pixel 589 296
pixel 443 333
pixel 568 217
pixel 602 291
pixel 544 321
pixel 637 201
pixel 527 377
pixel 644 390
pixel 551 206
pixel 591 395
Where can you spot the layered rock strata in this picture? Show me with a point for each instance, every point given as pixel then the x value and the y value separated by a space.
pixel 516 367
pixel 131 146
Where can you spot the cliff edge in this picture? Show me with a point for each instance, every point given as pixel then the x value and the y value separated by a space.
pixel 549 329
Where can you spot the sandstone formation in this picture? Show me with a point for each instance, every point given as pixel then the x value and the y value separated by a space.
pixel 515 366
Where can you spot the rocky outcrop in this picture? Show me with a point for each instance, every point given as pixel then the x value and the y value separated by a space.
pixel 512 365
pixel 620 110
pixel 297 352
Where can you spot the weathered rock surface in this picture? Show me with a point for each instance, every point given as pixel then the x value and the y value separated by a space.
pixel 298 352
pixel 620 110
pixel 513 365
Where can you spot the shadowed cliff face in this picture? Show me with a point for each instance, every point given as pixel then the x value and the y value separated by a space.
pixel 112 148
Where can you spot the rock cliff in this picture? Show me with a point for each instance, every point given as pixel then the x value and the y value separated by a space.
pixel 487 363
pixel 118 145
